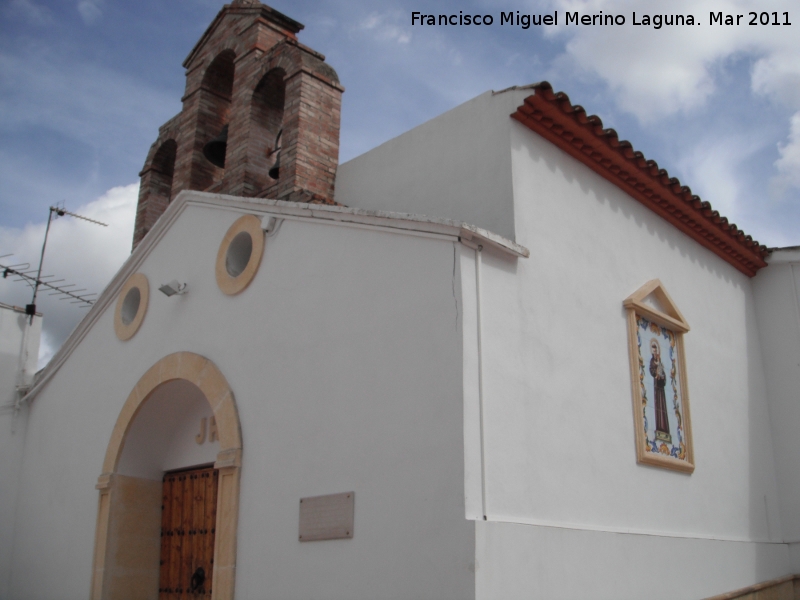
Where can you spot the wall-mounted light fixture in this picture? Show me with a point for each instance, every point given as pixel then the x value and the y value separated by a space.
pixel 268 223
pixel 172 288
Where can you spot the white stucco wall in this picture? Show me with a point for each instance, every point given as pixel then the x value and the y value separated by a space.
pixel 557 431
pixel 777 292
pixel 19 353
pixel 344 358
pixel 570 512
pixel 456 166
pixel 529 561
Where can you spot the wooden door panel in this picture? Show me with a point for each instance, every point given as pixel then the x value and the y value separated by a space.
pixel 186 542
pixel 188 526
pixel 210 524
pixel 166 516
pixel 174 560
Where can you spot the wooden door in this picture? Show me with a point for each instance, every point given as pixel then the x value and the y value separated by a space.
pixel 188 521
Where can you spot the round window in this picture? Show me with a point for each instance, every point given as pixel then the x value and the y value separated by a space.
pixel 239 254
pixel 131 306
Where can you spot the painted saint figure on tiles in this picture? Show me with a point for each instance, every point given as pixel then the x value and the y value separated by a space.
pixel 659 395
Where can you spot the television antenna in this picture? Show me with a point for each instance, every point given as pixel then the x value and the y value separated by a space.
pixel 23 272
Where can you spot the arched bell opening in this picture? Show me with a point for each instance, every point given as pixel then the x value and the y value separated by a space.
pixel 266 130
pixel 169 491
pixel 155 190
pixel 163 168
pixel 216 92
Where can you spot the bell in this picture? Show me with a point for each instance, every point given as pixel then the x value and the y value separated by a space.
pixel 214 150
pixel 275 171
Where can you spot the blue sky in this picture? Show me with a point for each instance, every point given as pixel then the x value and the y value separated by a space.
pixel 84 85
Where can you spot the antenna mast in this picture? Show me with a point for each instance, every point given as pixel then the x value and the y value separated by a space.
pixel 58 211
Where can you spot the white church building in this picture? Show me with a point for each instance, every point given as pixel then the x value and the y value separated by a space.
pixel 537 368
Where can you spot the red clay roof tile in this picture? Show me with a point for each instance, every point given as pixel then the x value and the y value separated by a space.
pixel 551 115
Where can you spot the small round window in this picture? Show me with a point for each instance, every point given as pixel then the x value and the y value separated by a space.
pixel 131 306
pixel 239 254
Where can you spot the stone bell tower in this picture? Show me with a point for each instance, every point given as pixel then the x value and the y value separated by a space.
pixel 260 118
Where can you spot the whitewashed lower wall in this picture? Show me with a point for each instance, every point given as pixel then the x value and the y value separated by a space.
pixel 19 354
pixel 518 561
pixel 12 439
pixel 794 557
pixel 777 291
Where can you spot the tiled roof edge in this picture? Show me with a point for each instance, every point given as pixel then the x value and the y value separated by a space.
pixel 551 115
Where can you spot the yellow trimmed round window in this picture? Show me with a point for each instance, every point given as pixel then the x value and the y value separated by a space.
pixel 239 254
pixel 131 306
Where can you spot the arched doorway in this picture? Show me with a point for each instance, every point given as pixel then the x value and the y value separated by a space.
pixel 178 388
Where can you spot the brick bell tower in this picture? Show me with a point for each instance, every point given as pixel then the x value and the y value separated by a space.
pixel 260 118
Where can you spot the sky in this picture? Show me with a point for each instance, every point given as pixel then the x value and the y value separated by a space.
pixel 85 84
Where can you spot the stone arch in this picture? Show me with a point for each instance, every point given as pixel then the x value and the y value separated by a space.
pixel 216 94
pixel 287 55
pixel 108 577
pixel 218 77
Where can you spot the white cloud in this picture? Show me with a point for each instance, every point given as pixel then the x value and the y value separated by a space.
pixel 788 165
pixel 656 73
pixel 662 71
pixel 90 10
pixel 714 170
pixel 385 28
pixel 778 76
pixel 81 253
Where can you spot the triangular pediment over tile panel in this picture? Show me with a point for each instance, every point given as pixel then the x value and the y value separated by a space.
pixel 661 308
pixel 286 25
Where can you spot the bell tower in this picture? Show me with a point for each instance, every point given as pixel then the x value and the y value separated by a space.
pixel 260 118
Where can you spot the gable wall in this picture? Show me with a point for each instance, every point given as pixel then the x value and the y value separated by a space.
pixel 344 358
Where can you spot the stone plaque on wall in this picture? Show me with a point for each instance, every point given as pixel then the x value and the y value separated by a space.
pixel 327 517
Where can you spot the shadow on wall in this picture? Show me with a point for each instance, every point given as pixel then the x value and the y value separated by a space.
pixel 162 435
pixel 764 514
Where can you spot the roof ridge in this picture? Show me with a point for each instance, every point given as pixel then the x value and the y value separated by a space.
pixel 252 7
pixel 554 117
